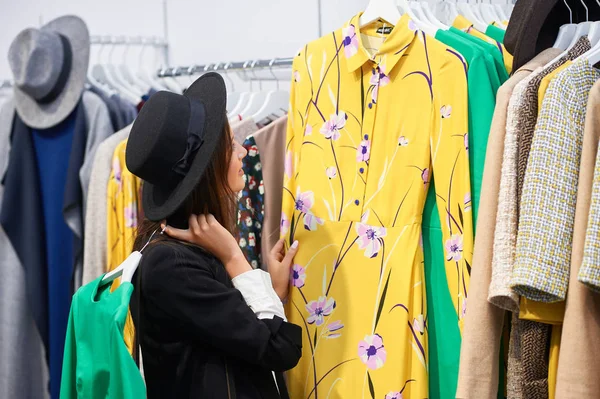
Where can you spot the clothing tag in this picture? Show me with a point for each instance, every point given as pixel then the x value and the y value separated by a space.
pixel 385 30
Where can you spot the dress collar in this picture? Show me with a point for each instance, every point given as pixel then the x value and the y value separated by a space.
pixel 390 52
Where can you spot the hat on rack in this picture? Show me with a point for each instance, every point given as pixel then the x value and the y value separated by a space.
pixel 173 140
pixel 49 67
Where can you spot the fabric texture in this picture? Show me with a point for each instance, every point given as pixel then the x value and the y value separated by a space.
pixel 505 237
pixel 544 243
pixel 203 353
pixel 99 365
pixel 24 368
pixel 360 260
pixel 496 33
pixel 579 363
pixel 257 289
pixel 95 259
pixel 243 129
pixel 478 376
pixel 271 144
pixel 529 113
pixel 444 334
pixel 251 206
pixel 123 214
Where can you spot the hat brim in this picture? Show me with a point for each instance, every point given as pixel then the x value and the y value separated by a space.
pixel 44 116
pixel 159 202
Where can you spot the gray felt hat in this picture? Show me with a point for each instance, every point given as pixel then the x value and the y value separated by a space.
pixel 49 67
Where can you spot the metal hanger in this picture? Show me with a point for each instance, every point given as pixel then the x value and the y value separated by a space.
pixel 233 97
pixel 593 55
pixel 244 96
pixel 384 9
pixel 431 16
pixel 468 11
pixel 276 103
pixel 257 98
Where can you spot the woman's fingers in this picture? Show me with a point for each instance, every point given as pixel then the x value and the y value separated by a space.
pixel 179 234
pixel 289 256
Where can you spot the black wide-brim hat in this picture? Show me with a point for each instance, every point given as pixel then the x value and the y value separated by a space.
pixel 172 142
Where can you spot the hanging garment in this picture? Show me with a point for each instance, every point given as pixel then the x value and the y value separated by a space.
pixel 31 180
pixel 95 259
pixel 579 363
pixel 24 368
pixel 478 372
pixel 124 212
pixel 530 110
pixel 251 206
pixel 492 50
pixel 362 155
pixel 243 129
pixel 465 25
pixel 544 243
pixel 98 365
pixel 444 334
pixel 514 386
pixel 496 33
pixel 271 144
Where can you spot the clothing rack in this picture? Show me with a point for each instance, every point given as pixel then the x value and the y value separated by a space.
pixel 152 41
pixel 240 67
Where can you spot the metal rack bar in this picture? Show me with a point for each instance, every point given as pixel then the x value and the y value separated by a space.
pixel 152 41
pixel 226 67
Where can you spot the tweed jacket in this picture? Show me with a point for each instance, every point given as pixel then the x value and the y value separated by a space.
pixel 505 237
pixel 579 363
pixel 544 243
pixel 529 112
pixel 478 373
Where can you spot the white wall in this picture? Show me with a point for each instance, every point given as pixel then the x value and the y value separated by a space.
pixel 199 31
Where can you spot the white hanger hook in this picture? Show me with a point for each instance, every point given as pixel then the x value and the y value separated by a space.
pixel 272 73
pixel 225 68
pixel 570 12
pixel 587 11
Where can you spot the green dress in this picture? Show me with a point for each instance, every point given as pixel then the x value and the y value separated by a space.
pixel 495 33
pixel 97 363
pixel 444 333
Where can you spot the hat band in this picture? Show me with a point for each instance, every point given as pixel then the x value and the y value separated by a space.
pixel 65 71
pixel 195 137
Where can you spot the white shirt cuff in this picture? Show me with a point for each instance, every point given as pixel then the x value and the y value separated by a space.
pixel 257 289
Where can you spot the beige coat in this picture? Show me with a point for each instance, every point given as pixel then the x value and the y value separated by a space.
pixel 579 360
pixel 478 373
pixel 270 141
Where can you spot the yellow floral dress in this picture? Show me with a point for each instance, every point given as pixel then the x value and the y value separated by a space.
pixel 375 112
pixel 124 210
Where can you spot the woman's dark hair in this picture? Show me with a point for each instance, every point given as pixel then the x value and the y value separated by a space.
pixel 211 195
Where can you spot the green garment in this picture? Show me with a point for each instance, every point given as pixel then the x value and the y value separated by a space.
pixel 97 363
pixel 490 49
pixel 444 333
pixel 495 33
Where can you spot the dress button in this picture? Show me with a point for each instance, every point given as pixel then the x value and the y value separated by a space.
pixel 362 170
pixel 357 202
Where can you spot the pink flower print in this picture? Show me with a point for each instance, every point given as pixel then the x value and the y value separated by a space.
pixel 464 308
pixel 296 75
pixel 318 309
pixel 446 111
pixel 331 128
pixel 372 352
pixel 304 201
pixel 331 172
pixel 412 25
pixel 467 142
pixel 369 238
pixel 419 324
pixel 298 276
pixel 402 141
pixel 284 224
pixel 467 202
pixel 454 248
pixel 308 130
pixel 253 151
pixel 425 176
pixel 332 328
pixel 287 167
pixel 421 241
pixel 131 216
pixel 378 79
pixel 116 166
pixel 350 40
pixel 311 222
pixel 251 240
pixel 363 152
pixel 393 395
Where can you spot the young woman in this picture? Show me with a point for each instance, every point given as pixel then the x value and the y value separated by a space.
pixel 209 326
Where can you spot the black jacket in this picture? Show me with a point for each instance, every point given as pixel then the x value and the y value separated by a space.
pixel 199 339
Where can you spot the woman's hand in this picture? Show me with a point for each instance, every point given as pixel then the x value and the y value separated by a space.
pixel 280 263
pixel 206 232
